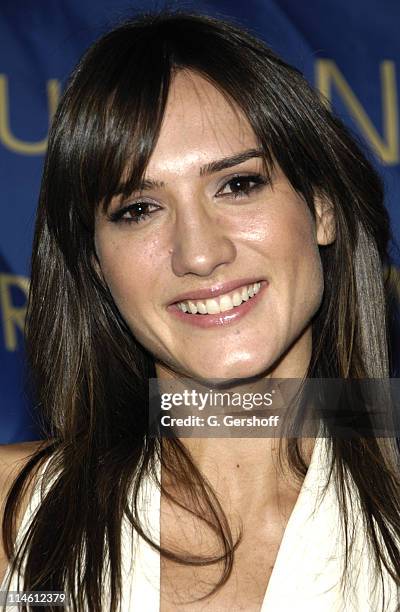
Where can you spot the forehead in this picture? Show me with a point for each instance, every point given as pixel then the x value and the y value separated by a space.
pixel 199 124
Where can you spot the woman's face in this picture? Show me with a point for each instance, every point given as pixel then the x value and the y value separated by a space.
pixel 192 245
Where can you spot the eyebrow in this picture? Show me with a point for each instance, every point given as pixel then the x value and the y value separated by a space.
pixel 210 168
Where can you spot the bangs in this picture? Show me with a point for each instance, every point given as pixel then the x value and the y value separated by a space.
pixel 122 125
pixel 127 173
pixel 118 95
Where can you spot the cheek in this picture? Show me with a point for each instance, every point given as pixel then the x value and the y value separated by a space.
pixel 129 274
pixel 125 276
pixel 283 233
pixel 293 234
pixel 307 272
pixel 296 265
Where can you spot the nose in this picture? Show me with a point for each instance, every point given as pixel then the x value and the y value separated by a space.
pixel 200 244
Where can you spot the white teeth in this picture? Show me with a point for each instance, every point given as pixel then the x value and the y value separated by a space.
pixel 245 295
pixel 192 307
pixel 201 308
pixel 237 298
pixel 212 307
pixel 225 303
pixel 221 303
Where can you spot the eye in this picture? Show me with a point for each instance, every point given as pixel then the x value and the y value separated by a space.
pixel 240 185
pixel 133 213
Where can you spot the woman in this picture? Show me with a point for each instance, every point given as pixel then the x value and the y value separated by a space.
pixel 202 216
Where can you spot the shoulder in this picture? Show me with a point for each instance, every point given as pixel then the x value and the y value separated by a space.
pixel 13 458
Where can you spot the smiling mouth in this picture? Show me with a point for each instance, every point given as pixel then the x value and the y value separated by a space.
pixel 222 303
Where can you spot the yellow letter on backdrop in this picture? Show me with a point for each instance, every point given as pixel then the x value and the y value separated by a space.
pixel 6 136
pixel 386 148
pixel 13 316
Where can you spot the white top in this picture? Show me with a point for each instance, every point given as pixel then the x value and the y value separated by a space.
pixel 307 571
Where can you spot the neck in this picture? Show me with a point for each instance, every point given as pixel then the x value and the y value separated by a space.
pixel 247 468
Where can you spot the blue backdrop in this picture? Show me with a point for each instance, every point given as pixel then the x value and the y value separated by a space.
pixel 348 50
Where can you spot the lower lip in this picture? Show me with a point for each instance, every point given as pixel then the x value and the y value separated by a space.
pixel 222 318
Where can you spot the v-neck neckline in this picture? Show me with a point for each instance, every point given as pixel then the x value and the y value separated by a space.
pixel 311 484
pixel 303 507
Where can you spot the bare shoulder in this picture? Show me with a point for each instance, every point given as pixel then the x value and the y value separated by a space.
pixel 13 458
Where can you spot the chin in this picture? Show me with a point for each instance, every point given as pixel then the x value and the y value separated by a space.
pixel 231 372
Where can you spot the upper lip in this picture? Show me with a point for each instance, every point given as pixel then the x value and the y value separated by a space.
pixel 214 291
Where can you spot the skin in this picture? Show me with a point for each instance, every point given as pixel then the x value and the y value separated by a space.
pixel 199 236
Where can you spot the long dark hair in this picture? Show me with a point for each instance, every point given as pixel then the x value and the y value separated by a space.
pixel 89 374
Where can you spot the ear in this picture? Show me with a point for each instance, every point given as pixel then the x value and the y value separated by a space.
pixel 325 221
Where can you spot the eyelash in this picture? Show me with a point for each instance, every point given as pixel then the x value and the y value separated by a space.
pixel 118 216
